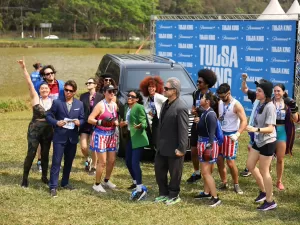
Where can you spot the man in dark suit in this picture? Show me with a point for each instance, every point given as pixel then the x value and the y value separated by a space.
pixel 172 143
pixel 66 117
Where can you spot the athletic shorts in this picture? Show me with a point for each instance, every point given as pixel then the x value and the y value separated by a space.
pixel 86 129
pixel 228 150
pixel 202 141
pixel 281 133
pixel 103 141
pixel 194 135
pixel 267 149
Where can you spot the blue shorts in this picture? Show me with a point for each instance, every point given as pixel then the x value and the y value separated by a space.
pixel 281 133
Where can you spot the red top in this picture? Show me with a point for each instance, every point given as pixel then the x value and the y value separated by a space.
pixel 54 90
pixel 107 114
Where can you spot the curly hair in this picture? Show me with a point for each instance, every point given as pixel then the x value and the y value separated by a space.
pixel 155 81
pixel 138 95
pixel 42 72
pixel 208 76
pixel 100 84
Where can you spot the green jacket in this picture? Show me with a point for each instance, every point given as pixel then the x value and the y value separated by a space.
pixel 139 137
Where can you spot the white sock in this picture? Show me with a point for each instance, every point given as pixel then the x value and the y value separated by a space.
pixel 139 187
pixel 197 172
pixel 134 181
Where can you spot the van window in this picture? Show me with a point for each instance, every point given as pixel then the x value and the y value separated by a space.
pixel 103 65
pixel 114 70
pixel 133 78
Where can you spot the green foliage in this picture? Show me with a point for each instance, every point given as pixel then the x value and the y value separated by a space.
pixel 11 105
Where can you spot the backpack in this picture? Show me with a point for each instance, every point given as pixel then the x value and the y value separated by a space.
pixel 219 132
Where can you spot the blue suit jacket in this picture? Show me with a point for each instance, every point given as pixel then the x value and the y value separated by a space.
pixel 59 111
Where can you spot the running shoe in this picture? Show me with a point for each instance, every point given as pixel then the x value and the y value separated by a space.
pixel 98 188
pixel 161 199
pixel 280 186
pixel 213 202
pixel 261 197
pixel 53 193
pixel 173 201
pixel 237 189
pixel 88 164
pixel 202 195
pixel 223 187
pixel 108 184
pixel 245 173
pixel 39 165
pixel 267 206
pixel 194 178
pixel 138 195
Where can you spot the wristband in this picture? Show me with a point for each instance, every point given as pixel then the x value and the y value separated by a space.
pixel 258 130
pixel 99 122
pixel 237 134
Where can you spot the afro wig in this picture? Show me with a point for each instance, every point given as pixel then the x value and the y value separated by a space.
pixel 155 81
pixel 208 76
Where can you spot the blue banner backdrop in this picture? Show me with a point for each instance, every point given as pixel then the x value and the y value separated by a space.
pixel 262 49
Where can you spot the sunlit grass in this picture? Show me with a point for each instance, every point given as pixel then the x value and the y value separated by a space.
pixel 83 206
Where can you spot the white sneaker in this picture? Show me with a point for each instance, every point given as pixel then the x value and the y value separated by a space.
pixel 98 188
pixel 108 184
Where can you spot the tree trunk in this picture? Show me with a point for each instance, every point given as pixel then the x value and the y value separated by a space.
pixel 92 30
pixel 33 31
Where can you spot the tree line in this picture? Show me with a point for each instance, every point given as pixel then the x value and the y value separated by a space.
pixel 114 17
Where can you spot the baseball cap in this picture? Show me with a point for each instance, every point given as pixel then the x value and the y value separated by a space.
pixel 109 87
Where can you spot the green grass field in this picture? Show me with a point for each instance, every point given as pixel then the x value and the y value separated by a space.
pixel 83 206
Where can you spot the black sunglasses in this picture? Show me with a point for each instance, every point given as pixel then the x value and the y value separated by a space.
pixel 88 83
pixel 167 88
pixel 131 96
pixel 68 90
pixel 107 79
pixel 50 73
pixel 223 96
pixel 112 91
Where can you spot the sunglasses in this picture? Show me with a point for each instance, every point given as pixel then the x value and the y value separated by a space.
pixel 131 96
pixel 167 88
pixel 68 90
pixel 50 73
pixel 112 91
pixel 88 83
pixel 107 79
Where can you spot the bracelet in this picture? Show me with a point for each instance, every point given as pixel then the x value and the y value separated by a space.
pixel 258 130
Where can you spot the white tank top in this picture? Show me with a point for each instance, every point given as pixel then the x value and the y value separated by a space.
pixel 231 121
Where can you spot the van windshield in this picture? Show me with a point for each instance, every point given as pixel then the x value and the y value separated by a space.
pixel 133 77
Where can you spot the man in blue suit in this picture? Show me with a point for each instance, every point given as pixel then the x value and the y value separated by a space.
pixel 66 116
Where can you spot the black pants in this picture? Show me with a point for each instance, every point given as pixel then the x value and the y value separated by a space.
pixel 38 133
pixel 173 165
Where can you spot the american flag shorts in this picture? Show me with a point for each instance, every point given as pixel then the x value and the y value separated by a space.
pixel 103 141
pixel 228 149
pixel 202 141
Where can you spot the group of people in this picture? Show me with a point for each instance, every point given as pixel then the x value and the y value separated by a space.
pixel 158 116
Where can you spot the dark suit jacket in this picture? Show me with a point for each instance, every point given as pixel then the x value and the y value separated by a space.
pixel 59 111
pixel 173 129
pixel 85 98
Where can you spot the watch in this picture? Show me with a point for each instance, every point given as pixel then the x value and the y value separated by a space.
pixel 258 129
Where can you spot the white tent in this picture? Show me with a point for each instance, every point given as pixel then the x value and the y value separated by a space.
pixel 294 10
pixel 273 12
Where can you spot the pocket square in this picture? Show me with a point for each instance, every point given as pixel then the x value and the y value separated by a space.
pixel 76 109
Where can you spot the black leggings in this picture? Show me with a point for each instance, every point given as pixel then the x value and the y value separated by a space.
pixel 38 133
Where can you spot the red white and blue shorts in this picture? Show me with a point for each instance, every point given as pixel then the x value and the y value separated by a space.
pixel 228 150
pixel 202 141
pixel 103 141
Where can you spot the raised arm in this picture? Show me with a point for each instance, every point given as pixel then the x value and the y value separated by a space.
pixel 244 83
pixel 33 95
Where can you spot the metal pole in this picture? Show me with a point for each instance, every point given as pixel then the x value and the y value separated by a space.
pixel 22 32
